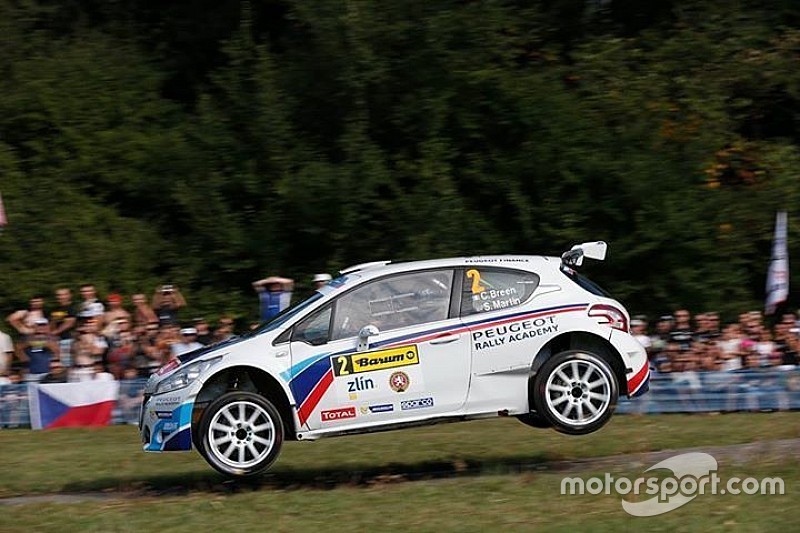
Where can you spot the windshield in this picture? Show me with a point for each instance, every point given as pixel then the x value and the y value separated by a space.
pixel 287 314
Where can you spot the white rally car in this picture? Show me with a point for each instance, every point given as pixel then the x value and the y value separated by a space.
pixel 387 346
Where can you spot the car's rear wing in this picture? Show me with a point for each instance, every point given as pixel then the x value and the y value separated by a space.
pixel 592 250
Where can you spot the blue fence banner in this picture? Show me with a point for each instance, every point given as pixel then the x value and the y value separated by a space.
pixel 702 392
pixel 679 392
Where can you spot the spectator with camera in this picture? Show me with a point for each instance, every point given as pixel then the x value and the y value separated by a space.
pixel 38 349
pixel 167 300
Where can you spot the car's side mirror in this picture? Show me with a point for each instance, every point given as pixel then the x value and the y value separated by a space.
pixel 363 336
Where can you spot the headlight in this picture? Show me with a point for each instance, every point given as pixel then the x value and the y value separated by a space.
pixel 186 375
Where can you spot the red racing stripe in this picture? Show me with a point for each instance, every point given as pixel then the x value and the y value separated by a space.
pixel 636 381
pixel 316 395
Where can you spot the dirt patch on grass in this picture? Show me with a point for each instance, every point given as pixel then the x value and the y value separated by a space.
pixel 731 455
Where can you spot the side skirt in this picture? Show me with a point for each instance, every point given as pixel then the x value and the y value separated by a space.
pixel 445 419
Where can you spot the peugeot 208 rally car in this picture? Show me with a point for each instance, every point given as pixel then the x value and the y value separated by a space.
pixel 387 345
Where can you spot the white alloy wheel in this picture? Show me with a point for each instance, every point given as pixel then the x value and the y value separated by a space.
pixel 242 433
pixel 578 392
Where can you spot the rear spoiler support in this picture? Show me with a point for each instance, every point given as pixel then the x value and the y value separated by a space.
pixel 593 250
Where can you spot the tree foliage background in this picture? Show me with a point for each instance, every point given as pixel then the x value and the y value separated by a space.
pixel 209 143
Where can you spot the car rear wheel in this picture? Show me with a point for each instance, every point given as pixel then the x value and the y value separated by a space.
pixel 576 391
pixel 241 434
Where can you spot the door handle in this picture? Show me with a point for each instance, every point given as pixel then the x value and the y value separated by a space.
pixel 446 339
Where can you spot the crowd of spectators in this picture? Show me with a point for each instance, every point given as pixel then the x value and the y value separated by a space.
pixel 73 341
pixel 676 343
pixel 93 339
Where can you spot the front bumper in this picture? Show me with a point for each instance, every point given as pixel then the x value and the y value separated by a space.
pixel 165 422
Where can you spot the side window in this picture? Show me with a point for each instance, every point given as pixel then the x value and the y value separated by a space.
pixel 394 302
pixel 494 289
pixel 314 329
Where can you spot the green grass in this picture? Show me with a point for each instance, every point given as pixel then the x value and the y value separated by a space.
pixel 518 502
pixel 79 460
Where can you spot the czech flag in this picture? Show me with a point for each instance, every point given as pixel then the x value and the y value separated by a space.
pixel 58 405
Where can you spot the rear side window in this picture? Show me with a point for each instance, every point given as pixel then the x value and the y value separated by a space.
pixel 494 289
pixel 585 283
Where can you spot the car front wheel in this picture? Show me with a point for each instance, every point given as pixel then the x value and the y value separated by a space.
pixel 534 420
pixel 241 434
pixel 576 391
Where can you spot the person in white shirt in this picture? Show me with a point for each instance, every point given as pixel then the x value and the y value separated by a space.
pixel 6 352
pixel 320 280
pixel 187 344
pixel 639 332
pixel 24 320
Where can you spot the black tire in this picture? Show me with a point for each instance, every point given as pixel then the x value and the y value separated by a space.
pixel 583 402
pixel 534 420
pixel 241 434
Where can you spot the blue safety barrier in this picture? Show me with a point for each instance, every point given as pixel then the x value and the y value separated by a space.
pixel 679 392
pixel 765 389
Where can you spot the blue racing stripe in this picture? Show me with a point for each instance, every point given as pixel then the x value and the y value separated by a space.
pixel 304 382
pixel 288 375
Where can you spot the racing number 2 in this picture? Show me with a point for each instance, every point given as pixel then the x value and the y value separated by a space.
pixel 345 365
pixel 475 276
